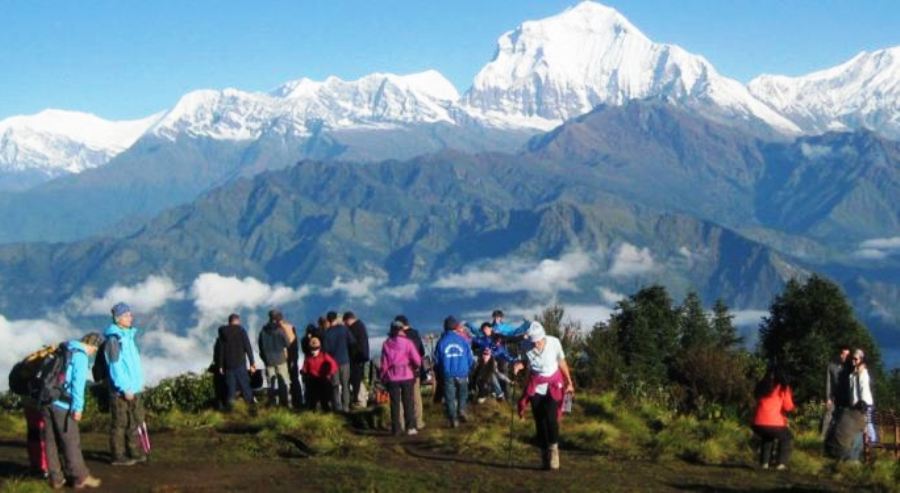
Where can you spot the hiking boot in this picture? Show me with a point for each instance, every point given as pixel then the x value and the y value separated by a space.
pixel 481 400
pixel 88 482
pixel 454 423
pixel 463 418
pixel 123 462
pixel 545 459
pixel 554 457
pixel 141 460
pixel 57 485
pixel 780 467
pixel 412 431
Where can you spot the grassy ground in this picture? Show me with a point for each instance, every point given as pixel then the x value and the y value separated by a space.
pixel 605 448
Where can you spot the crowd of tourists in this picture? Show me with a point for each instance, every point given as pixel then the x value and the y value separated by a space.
pixel 324 368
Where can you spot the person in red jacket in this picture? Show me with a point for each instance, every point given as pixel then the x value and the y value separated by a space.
pixel 318 370
pixel 774 400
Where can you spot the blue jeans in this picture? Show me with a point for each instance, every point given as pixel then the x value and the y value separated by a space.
pixel 456 393
pixel 857 448
pixel 237 379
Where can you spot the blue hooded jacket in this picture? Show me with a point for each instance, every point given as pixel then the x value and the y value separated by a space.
pixel 453 355
pixel 125 372
pixel 76 378
pixel 498 350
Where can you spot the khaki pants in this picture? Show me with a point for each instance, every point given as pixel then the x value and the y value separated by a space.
pixel 417 404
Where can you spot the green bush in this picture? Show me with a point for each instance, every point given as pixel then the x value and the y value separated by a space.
pixel 188 393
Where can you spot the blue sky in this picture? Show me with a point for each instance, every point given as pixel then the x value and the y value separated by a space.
pixel 127 59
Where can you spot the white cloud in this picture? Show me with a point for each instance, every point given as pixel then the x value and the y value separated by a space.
pixel 144 297
pixel 630 260
pixel 748 318
pixel 361 289
pixel 878 248
pixel 402 292
pixel 610 297
pixel 215 295
pixel 515 275
pixel 812 151
pixel 18 338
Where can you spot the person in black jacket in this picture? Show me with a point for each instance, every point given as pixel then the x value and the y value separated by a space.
pixel 359 355
pixel 273 350
pixel 233 350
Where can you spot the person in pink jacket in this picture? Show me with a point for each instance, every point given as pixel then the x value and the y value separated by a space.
pixel 399 362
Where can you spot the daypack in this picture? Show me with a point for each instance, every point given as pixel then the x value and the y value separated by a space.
pixel 23 373
pixel 49 385
pixel 100 370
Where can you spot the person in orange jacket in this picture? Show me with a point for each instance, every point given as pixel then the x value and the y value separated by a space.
pixel 774 400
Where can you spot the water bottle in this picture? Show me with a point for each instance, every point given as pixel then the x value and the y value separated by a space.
pixel 567 402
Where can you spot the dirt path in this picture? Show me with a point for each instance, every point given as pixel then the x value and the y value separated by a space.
pixel 200 461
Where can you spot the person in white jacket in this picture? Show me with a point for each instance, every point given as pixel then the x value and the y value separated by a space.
pixel 861 392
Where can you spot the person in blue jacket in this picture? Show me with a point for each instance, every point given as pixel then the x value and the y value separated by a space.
pixel 500 327
pixel 126 382
pixel 453 357
pixel 61 434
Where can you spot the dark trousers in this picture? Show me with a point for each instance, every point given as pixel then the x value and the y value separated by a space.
pixel 356 377
pixel 296 389
pixel 546 425
pixel 126 417
pixel 318 393
pixel 237 379
pixel 37 451
pixel 769 435
pixel 61 435
pixel 402 391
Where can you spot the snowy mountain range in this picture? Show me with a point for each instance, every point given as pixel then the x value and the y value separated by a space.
pixel 863 92
pixel 544 72
pixel 56 142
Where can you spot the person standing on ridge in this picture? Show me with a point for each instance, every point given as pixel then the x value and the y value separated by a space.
pixel 273 350
pixel 416 339
pixel 62 416
pixel 126 382
pixel 359 356
pixel 400 362
pixel 233 354
pixel 837 389
pixel 453 356
pixel 336 341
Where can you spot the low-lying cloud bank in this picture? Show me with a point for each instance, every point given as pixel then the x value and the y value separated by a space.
pixel 878 248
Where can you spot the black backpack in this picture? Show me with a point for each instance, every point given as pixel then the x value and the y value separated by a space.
pixel 100 370
pixel 49 384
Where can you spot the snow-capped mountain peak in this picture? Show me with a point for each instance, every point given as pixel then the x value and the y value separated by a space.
pixel 295 107
pixel 553 69
pixel 55 142
pixel 861 92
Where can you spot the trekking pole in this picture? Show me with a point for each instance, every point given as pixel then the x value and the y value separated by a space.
pixel 512 420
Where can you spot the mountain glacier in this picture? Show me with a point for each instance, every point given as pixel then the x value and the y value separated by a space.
pixel 557 68
pixel 56 142
pixel 863 92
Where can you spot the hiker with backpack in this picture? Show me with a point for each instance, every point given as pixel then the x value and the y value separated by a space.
pixel 119 364
pixel 337 341
pixel 498 361
pixel 62 401
pixel 234 351
pixel 548 382
pixel 400 362
pixel 22 380
pixel 453 357
pixel 273 351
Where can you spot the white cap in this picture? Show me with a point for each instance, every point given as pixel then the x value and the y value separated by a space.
pixel 536 332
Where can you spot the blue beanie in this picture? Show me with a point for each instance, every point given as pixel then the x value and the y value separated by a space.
pixel 120 309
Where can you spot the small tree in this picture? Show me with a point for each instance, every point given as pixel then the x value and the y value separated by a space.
pixel 805 325
pixel 695 326
pixel 723 326
pixel 603 363
pixel 647 334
